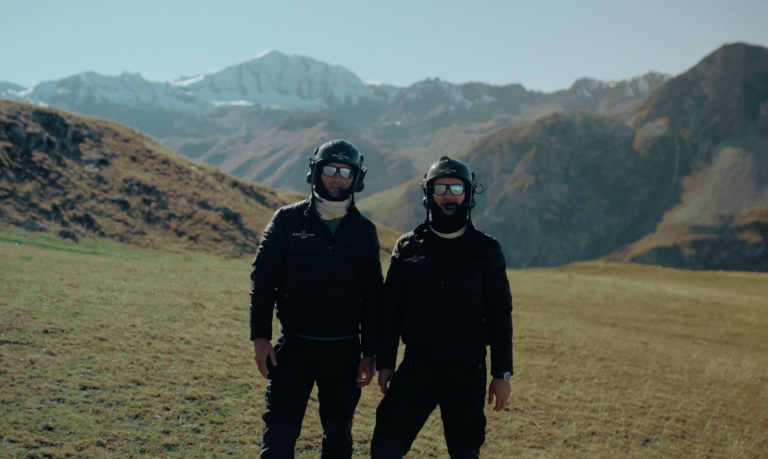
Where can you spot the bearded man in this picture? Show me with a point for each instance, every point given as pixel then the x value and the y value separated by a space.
pixel 447 296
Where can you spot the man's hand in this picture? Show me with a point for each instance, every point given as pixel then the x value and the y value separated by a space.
pixel 262 349
pixel 498 388
pixel 385 377
pixel 365 371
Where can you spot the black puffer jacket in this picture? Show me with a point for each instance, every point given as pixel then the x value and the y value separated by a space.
pixel 322 284
pixel 447 298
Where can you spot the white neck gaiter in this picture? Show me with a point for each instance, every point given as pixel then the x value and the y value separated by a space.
pixel 330 210
pixel 450 235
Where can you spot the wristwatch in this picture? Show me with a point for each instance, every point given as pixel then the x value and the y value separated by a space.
pixel 506 376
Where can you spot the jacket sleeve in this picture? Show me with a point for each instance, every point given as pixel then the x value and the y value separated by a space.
pixel 372 285
pixel 392 313
pixel 498 305
pixel 265 273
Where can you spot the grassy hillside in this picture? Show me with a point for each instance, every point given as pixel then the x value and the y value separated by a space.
pixel 97 178
pixel 110 352
pixel 400 206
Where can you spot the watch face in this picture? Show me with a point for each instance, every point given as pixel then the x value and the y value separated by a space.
pixel 507 375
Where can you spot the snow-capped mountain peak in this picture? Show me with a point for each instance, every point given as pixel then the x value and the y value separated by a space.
pixel 273 78
pixel 270 79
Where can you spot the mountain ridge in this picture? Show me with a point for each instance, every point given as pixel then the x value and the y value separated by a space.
pixel 228 118
pixel 678 180
pixel 271 79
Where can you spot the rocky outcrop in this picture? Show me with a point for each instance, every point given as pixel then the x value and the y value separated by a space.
pixel 740 245
pixel 66 233
pixel 30 224
pixel 601 96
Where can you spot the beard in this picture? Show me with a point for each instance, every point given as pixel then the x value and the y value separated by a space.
pixel 447 224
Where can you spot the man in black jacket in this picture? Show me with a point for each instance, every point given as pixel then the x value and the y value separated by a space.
pixel 318 263
pixel 448 297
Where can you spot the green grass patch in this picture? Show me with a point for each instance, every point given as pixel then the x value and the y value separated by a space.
pixel 100 247
pixel 129 354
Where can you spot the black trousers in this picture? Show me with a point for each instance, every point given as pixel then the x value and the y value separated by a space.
pixel 301 363
pixel 419 386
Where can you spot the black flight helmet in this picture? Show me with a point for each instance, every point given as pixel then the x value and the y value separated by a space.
pixel 338 151
pixel 449 167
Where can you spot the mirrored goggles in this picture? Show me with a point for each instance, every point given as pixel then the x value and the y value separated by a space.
pixel 441 189
pixel 344 172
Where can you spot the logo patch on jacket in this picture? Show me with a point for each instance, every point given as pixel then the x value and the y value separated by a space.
pixel 303 234
pixel 414 259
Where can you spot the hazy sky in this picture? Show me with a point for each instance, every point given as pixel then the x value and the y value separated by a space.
pixel 544 45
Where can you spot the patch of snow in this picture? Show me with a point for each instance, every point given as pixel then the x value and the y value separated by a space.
pixel 129 90
pixel 643 86
pixel 187 82
pixel 592 84
pixel 371 82
pixel 234 103
pixel 584 93
pixel 262 54
pixel 19 93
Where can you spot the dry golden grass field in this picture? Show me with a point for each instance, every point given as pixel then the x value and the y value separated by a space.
pixel 109 352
